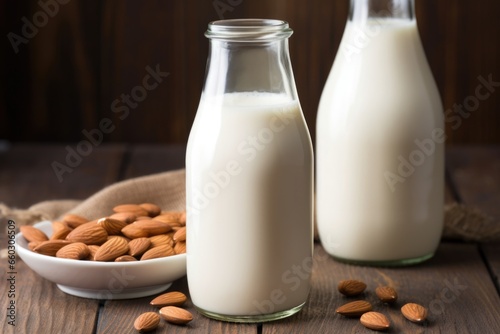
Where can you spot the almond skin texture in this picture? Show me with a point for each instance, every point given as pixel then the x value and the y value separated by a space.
pixel 131 208
pixel 134 231
pixel 176 315
pixel 161 239
pixel 92 250
pixel 138 246
pixel 50 247
pixel 111 249
pixel 112 226
pixel 31 233
pixel 89 233
pixel 33 244
pixel 174 298
pixel 375 320
pixel 351 287
pixel 59 231
pixel 355 308
pixel 147 322
pixel 156 252
pixel 125 258
pixel 180 247
pixel 74 251
pixel 126 217
pixel 152 209
pixel 414 312
pixel 74 221
pixel 180 235
pixel 152 227
pixel 170 217
pixel 386 294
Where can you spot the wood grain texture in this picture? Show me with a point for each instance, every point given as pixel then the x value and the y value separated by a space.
pixel 66 78
pixel 42 308
pixel 454 286
pixel 118 317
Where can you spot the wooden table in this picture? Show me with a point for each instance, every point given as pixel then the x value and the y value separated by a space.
pixel 459 286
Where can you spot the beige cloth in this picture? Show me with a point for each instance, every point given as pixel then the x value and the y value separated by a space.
pixel 168 191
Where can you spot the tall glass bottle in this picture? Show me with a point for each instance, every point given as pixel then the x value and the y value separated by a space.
pixel 380 142
pixel 249 179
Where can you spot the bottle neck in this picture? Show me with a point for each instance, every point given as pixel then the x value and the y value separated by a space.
pixel 362 10
pixel 249 55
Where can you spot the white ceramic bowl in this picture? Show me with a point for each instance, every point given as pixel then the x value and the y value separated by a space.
pixel 103 280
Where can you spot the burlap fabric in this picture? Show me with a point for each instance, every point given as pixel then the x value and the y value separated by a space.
pixel 168 191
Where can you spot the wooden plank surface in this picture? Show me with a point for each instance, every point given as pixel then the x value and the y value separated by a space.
pixel 455 286
pixel 458 285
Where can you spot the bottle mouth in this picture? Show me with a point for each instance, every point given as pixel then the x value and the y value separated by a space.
pixel 248 30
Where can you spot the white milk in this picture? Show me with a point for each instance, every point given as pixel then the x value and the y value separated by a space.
pixel 379 98
pixel 249 171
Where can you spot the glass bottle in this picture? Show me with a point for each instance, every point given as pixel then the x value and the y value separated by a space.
pixel 249 179
pixel 380 142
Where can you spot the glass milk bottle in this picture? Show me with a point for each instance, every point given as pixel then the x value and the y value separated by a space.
pixel 249 179
pixel 380 142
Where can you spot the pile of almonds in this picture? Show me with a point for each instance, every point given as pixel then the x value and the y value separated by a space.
pixel 363 309
pixel 169 304
pixel 133 232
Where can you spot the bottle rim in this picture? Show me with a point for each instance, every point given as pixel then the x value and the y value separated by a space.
pixel 248 30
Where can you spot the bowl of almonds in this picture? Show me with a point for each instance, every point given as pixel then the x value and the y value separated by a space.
pixel 137 250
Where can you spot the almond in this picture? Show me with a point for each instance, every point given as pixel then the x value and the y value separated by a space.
pixel 180 235
pixel 92 250
pixel 375 320
pixel 180 247
pixel 386 294
pixel 74 221
pixel 126 217
pixel 414 312
pixel 125 258
pixel 161 239
pixel 182 218
pixel 176 315
pixel 111 249
pixel 50 247
pixel 174 298
pixel 355 308
pixel 171 217
pixel 59 231
pixel 112 226
pixel 152 227
pixel 351 287
pixel 152 209
pixel 138 246
pixel 156 252
pixel 134 231
pixel 31 233
pixel 33 244
pixel 89 233
pixel 143 218
pixel 131 208
pixel 147 322
pixel 75 251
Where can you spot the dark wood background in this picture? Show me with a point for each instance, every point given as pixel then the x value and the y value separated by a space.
pixel 64 79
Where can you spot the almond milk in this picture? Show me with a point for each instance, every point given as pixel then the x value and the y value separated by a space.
pixel 249 179
pixel 380 148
